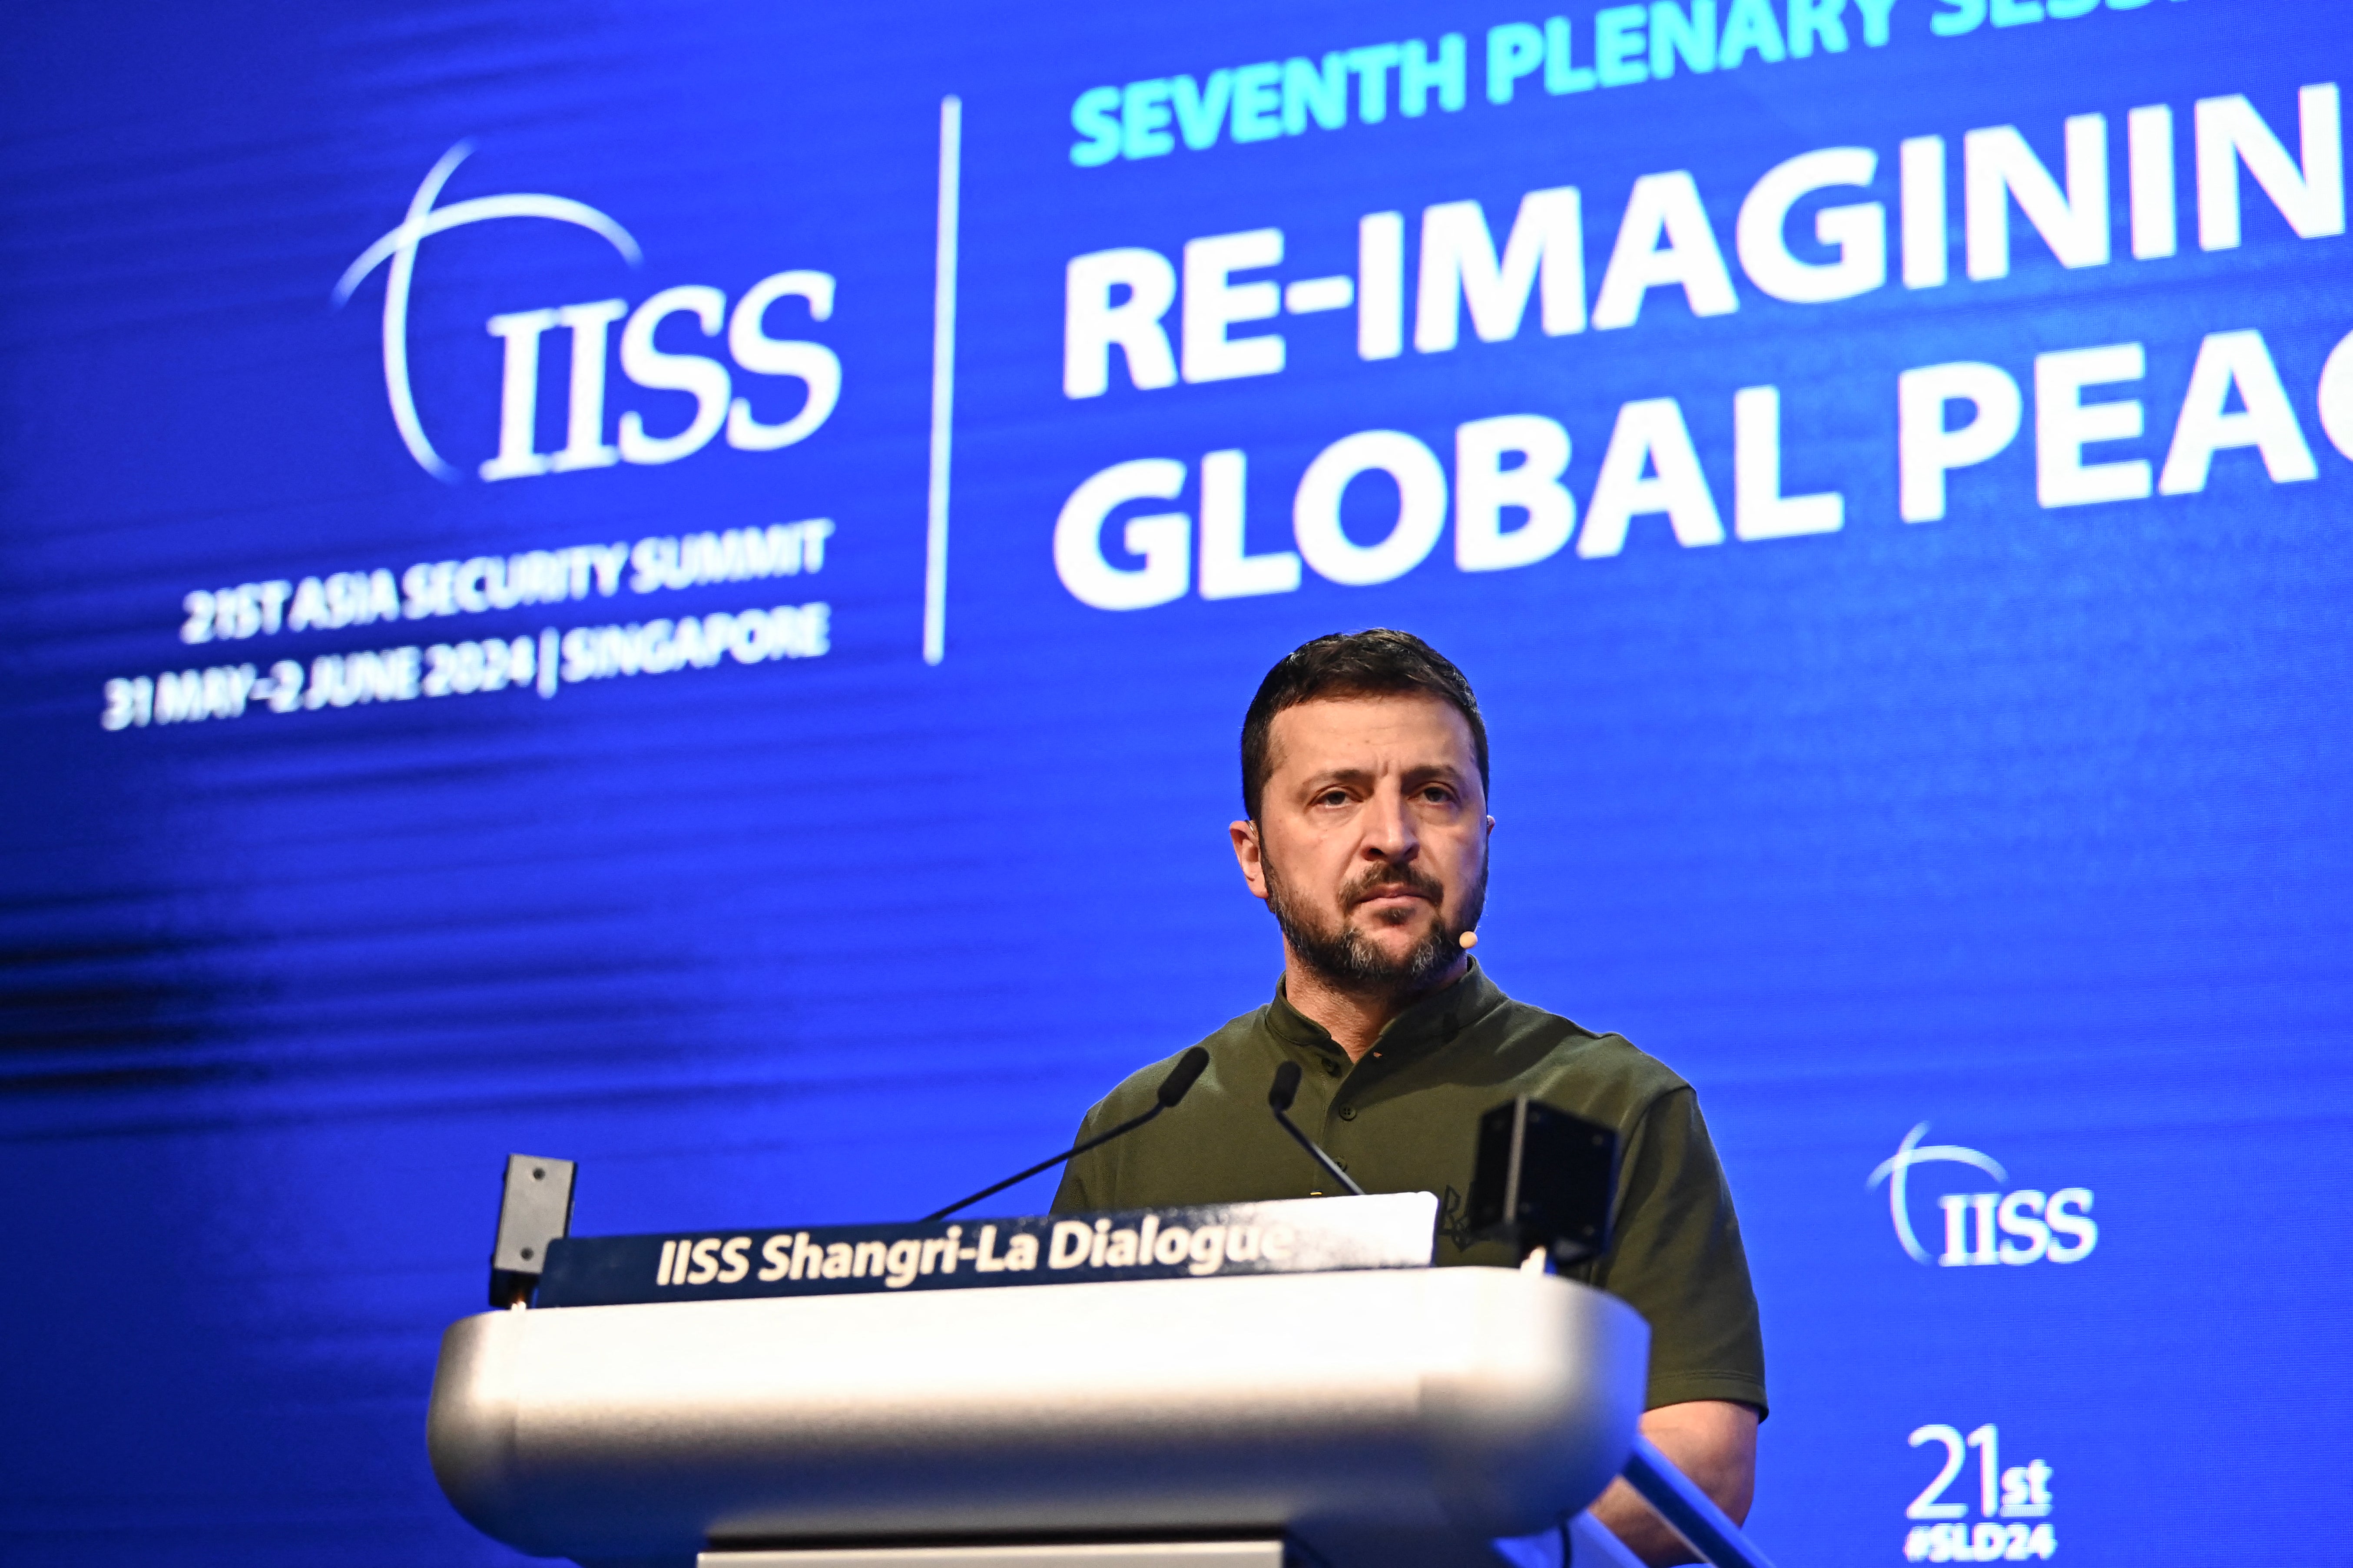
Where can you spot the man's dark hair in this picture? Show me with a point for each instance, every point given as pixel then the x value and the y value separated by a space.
pixel 1377 663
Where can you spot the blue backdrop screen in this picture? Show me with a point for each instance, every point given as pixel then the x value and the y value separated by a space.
pixel 675 586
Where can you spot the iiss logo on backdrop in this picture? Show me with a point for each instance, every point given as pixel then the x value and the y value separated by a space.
pixel 708 380
pixel 2009 1226
pixel 511 659
pixel 2015 1227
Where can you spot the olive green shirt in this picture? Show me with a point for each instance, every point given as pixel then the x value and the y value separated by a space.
pixel 1404 1120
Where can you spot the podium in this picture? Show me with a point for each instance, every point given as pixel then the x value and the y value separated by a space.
pixel 1379 1418
pixel 1327 1399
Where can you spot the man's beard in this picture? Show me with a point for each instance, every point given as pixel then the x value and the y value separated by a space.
pixel 1346 959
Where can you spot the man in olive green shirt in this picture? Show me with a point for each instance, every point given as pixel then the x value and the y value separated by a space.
pixel 1364 774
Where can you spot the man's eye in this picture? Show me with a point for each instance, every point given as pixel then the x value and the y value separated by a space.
pixel 1333 797
pixel 1437 794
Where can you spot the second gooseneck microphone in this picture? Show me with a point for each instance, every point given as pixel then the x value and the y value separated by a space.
pixel 1174 1088
pixel 1279 1099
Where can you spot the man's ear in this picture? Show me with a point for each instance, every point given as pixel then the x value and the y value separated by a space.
pixel 1250 854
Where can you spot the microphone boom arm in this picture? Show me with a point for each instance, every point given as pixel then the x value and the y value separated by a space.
pixel 1322 1159
pixel 1174 1088
pixel 1278 1099
pixel 1130 1125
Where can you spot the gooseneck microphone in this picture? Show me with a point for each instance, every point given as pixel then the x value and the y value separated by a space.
pixel 1279 1099
pixel 1174 1088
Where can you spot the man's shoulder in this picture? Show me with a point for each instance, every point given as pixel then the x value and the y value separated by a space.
pixel 1598 1074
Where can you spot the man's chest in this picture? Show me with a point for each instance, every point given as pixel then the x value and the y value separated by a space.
pixel 1390 1132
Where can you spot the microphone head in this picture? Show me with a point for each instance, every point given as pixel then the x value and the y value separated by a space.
pixel 1469 940
pixel 1182 1076
pixel 1286 1087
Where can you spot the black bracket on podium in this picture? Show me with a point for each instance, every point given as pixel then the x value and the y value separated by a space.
pixel 535 1210
pixel 1544 1179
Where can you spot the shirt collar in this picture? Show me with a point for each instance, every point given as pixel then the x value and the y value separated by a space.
pixel 1433 1021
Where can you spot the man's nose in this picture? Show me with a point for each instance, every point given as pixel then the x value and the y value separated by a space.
pixel 1389 828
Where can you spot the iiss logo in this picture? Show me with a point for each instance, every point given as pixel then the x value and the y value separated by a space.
pixel 2018 1228
pixel 707 380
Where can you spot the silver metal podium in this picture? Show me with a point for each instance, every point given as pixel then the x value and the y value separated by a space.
pixel 1398 1418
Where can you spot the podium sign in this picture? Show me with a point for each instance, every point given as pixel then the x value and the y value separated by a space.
pixel 1299 1235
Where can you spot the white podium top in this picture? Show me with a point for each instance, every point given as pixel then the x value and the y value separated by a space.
pixel 1379 1416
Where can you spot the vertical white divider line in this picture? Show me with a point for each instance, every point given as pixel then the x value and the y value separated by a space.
pixel 944 309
